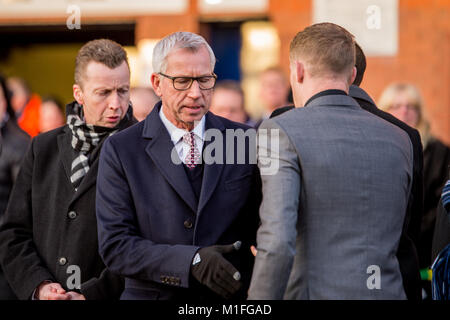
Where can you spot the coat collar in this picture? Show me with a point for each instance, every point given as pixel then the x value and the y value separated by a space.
pixel 334 100
pixel 160 148
pixel 358 93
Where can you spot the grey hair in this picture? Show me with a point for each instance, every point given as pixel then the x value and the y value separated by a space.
pixel 178 40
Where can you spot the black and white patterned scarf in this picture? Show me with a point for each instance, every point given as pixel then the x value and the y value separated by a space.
pixel 85 138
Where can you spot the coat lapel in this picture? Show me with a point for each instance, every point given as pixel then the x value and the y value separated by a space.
pixel 212 172
pixel 89 179
pixel 159 149
pixel 65 151
pixel 66 156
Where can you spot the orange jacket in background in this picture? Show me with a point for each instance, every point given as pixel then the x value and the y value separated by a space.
pixel 29 119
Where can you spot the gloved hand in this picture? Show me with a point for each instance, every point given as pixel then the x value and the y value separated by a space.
pixel 211 269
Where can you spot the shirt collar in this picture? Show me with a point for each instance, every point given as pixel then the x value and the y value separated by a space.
pixel 176 133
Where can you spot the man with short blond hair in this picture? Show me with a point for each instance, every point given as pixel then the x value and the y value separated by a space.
pixel 332 216
pixel 48 239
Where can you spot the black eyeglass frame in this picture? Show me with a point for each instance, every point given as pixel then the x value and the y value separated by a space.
pixel 192 81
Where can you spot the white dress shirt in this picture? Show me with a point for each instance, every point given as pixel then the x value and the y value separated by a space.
pixel 176 135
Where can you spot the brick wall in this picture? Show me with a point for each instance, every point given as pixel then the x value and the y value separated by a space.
pixel 423 59
pixel 423 55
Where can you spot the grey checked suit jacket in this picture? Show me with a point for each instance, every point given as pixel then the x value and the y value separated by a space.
pixel 332 214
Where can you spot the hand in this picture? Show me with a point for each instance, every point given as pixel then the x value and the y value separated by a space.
pixel 51 291
pixel 253 250
pixel 75 296
pixel 211 269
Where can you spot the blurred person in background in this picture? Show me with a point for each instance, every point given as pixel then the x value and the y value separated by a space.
pixel 51 114
pixel 143 100
pixel 441 247
pixel 228 102
pixel 441 236
pixel 26 105
pixel 404 101
pixel 13 144
pixel 273 91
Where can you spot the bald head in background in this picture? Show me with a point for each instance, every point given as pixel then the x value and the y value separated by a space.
pixel 143 100
pixel 228 101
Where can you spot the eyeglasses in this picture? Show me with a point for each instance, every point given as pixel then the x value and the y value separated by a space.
pixel 185 83
pixel 409 106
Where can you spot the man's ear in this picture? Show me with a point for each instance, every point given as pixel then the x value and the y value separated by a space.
pixel 299 71
pixel 156 84
pixel 78 94
pixel 354 72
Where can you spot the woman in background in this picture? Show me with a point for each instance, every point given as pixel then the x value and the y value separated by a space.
pixel 404 101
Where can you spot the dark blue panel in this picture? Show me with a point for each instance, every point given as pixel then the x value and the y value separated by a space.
pixel 225 40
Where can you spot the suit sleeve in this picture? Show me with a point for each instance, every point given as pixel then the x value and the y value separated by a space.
pixel 121 246
pixel 21 263
pixel 276 237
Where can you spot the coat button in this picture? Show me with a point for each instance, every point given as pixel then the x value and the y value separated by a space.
pixel 72 214
pixel 188 224
pixel 62 261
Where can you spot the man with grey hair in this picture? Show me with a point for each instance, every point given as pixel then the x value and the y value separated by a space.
pixel 175 225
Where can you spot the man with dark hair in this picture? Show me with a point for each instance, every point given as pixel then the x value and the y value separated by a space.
pixel 48 240
pixel 360 64
pixel 25 104
pixel 407 250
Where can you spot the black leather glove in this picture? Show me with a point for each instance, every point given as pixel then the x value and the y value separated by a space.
pixel 211 269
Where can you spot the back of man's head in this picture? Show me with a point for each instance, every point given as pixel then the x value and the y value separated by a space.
pixel 327 49
pixel 104 51
pixel 360 65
